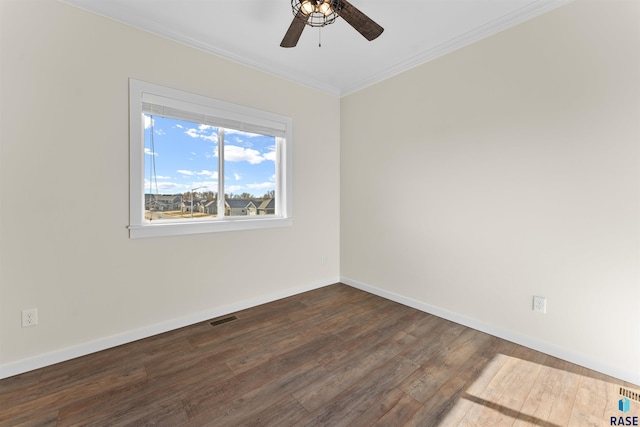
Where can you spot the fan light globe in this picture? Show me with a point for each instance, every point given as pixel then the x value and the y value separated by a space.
pixel 324 8
pixel 307 7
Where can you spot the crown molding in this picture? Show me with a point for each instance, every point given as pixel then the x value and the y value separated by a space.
pixel 152 27
pixel 493 27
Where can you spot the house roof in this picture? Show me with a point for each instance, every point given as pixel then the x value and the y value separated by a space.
pixel 239 203
pixel 267 204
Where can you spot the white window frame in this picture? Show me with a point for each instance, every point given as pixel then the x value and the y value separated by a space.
pixel 223 114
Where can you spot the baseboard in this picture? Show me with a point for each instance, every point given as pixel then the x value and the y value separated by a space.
pixel 62 355
pixel 509 335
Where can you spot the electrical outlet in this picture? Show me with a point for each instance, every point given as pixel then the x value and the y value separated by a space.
pixel 324 260
pixel 29 317
pixel 540 304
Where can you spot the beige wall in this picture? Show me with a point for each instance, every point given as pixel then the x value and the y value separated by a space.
pixel 504 170
pixel 65 190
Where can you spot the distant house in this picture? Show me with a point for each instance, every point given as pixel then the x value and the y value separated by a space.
pixel 235 207
pixel 186 206
pixel 162 202
pixel 209 207
pixel 266 207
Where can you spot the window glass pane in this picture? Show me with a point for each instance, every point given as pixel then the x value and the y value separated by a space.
pixel 180 169
pixel 249 173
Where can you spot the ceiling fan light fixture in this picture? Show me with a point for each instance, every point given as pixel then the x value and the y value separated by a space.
pixel 316 13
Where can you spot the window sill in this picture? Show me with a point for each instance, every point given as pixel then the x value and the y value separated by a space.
pixel 164 229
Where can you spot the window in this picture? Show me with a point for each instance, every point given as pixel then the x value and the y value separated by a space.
pixel 201 165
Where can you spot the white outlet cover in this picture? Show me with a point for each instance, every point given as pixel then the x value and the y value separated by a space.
pixel 29 317
pixel 540 304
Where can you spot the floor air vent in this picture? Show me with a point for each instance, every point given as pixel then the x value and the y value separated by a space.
pixel 224 320
pixel 630 394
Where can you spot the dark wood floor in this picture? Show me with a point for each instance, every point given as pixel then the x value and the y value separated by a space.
pixel 335 356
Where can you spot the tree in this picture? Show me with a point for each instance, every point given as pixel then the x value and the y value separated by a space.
pixel 190 195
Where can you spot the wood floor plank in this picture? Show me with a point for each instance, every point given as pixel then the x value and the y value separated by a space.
pixel 380 408
pixel 438 338
pixel 242 410
pixel 284 413
pixel 42 419
pixel 596 399
pixel 400 413
pixel 243 383
pixel 444 363
pixel 373 335
pixel 447 405
pixel 159 397
pixel 328 357
pixel 506 393
pixel 53 399
pixel 351 403
pixel 143 397
pixel 550 395
pixel 340 379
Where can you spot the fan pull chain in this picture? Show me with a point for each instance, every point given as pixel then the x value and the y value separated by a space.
pixel 319 36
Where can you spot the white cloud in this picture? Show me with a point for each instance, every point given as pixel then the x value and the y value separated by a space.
pixel 233 153
pixel 149 152
pixel 148 122
pixel 206 132
pixel 162 187
pixel 271 155
pixel 237 176
pixel 202 186
pixel 240 132
pixel 261 186
pixel 210 174
pixel 233 188
pixel 185 172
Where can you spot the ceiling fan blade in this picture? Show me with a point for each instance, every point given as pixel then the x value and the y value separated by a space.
pixel 294 32
pixel 358 20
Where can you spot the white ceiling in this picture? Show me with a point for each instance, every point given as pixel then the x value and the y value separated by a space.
pixel 250 31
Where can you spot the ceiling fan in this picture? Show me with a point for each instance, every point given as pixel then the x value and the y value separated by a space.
pixel 318 13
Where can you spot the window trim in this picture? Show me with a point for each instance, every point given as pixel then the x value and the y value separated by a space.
pixel 223 112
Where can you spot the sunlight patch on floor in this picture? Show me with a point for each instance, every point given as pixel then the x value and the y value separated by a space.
pixel 517 392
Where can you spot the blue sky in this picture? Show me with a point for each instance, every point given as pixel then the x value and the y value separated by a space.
pixel 185 155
